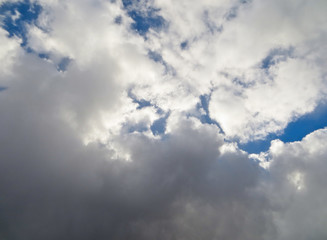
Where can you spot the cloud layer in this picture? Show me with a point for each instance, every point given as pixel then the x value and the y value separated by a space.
pixel 120 120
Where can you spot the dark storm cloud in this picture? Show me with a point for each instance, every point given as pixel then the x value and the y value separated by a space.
pixel 55 187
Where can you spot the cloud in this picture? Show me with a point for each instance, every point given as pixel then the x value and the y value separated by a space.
pixel 296 187
pixel 8 52
pixel 56 187
pixel 229 61
pixel 102 130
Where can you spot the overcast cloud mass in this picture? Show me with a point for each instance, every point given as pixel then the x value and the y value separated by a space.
pixel 124 119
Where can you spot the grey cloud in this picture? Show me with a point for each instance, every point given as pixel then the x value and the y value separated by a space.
pixel 56 189
pixel 297 187
pixel 53 186
pixel 182 186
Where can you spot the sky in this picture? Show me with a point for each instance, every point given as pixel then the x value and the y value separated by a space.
pixel 160 119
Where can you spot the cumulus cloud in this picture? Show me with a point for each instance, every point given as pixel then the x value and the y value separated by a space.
pixel 108 132
pixel 247 61
pixel 56 187
pixel 296 187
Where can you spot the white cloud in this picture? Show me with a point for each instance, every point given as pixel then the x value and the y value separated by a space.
pixel 292 89
pixel 296 189
pixel 228 60
pixel 9 51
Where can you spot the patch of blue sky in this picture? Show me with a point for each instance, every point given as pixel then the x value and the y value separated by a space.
pixel 276 55
pixel 295 131
pixel 44 55
pixel 184 45
pixel 142 103
pixel 128 3
pixel 3 88
pixel 63 64
pixel 144 18
pixel 159 126
pixel 204 104
pixel 16 15
pixel 238 81
pixel 155 56
pixel 258 146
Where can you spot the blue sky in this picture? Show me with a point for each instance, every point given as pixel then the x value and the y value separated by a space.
pixel 294 131
pixel 28 13
pixel 143 19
